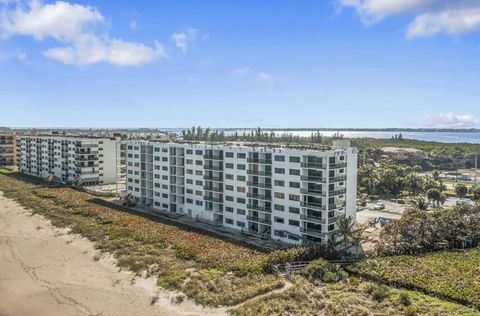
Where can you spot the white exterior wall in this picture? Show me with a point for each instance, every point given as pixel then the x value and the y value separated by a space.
pixel 91 159
pixel 279 194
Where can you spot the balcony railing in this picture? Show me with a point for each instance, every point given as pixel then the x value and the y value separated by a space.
pixel 313 192
pixel 259 220
pixel 209 177
pixel 259 185
pixel 259 208
pixel 213 167
pixel 313 179
pixel 312 232
pixel 259 196
pixel 313 206
pixel 212 157
pixel 337 165
pixel 260 161
pixel 313 165
pixel 260 173
pixel 212 188
pixel 212 199
pixel 337 192
pixel 337 179
pixel 313 219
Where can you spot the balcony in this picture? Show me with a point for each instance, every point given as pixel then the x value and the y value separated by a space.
pixel 212 188
pixel 260 208
pixel 312 232
pixel 213 167
pixel 312 165
pixel 337 165
pixel 313 219
pixel 337 179
pixel 212 199
pixel 314 206
pixel 213 157
pixel 260 161
pixel 259 196
pixel 259 185
pixel 259 220
pixel 209 177
pixel 313 192
pixel 313 179
pixel 260 173
pixel 337 192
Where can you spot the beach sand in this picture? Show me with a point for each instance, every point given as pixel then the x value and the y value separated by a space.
pixel 46 271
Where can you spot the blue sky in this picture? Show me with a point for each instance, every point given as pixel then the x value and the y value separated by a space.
pixel 269 63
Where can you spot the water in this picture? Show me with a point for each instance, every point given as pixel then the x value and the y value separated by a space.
pixel 443 137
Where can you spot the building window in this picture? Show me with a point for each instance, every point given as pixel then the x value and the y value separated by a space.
pixel 229 165
pixel 229 209
pixel 198 172
pixel 294 184
pixel 198 162
pixel 241 189
pixel 229 176
pixel 229 198
pixel 241 155
pixel 292 222
pixel 241 166
pixel 229 154
pixel 229 221
pixel 229 187
pixel 240 224
pixel 199 152
pixel 331 227
pixel 294 197
pixel 279 158
pixel 189 151
pixel 280 220
pixel 280 170
pixel 279 195
pixel 294 159
pixel 241 178
pixel 199 203
pixel 294 210
pixel 294 172
pixel 240 200
pixel 240 211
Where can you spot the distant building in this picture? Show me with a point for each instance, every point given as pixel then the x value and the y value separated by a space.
pixel 92 160
pixel 398 154
pixel 7 150
pixel 295 194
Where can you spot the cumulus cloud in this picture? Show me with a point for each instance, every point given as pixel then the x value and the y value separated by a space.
pixel 450 120
pixel 183 39
pixel 81 29
pixel 429 17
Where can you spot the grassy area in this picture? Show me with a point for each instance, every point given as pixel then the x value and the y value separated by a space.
pixel 454 275
pixel 210 271
pixel 348 297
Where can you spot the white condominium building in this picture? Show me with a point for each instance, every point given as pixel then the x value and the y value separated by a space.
pixel 295 194
pixel 70 158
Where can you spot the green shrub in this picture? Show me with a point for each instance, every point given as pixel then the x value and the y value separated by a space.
pixel 173 280
pixel 405 299
pixel 411 311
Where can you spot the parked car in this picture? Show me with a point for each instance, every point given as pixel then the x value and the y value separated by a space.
pixel 465 201
pixel 379 206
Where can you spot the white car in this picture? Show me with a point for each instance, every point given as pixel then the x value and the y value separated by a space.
pixel 379 206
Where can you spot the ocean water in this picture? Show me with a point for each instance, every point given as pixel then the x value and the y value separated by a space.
pixel 442 137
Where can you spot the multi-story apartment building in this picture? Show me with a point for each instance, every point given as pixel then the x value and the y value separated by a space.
pixel 293 194
pixel 7 150
pixel 70 158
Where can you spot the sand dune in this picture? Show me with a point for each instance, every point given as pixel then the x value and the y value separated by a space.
pixel 45 271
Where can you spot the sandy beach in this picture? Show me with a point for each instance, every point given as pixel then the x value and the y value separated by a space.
pixel 46 271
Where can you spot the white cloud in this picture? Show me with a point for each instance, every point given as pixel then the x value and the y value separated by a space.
pixel 449 21
pixel 183 39
pixel 450 120
pixel 430 17
pixel 81 29
pixel 266 79
pixel 242 71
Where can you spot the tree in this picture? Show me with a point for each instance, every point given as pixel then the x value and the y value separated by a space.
pixel 417 169
pixel 475 190
pixel 434 196
pixel 345 227
pixel 461 190
pixel 419 203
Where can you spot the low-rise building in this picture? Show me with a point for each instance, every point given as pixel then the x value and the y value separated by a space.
pixel 290 193
pixel 398 154
pixel 89 160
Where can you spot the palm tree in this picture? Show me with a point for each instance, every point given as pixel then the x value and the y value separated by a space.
pixel 345 227
pixel 357 236
pixel 434 196
pixel 461 190
pixel 419 203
